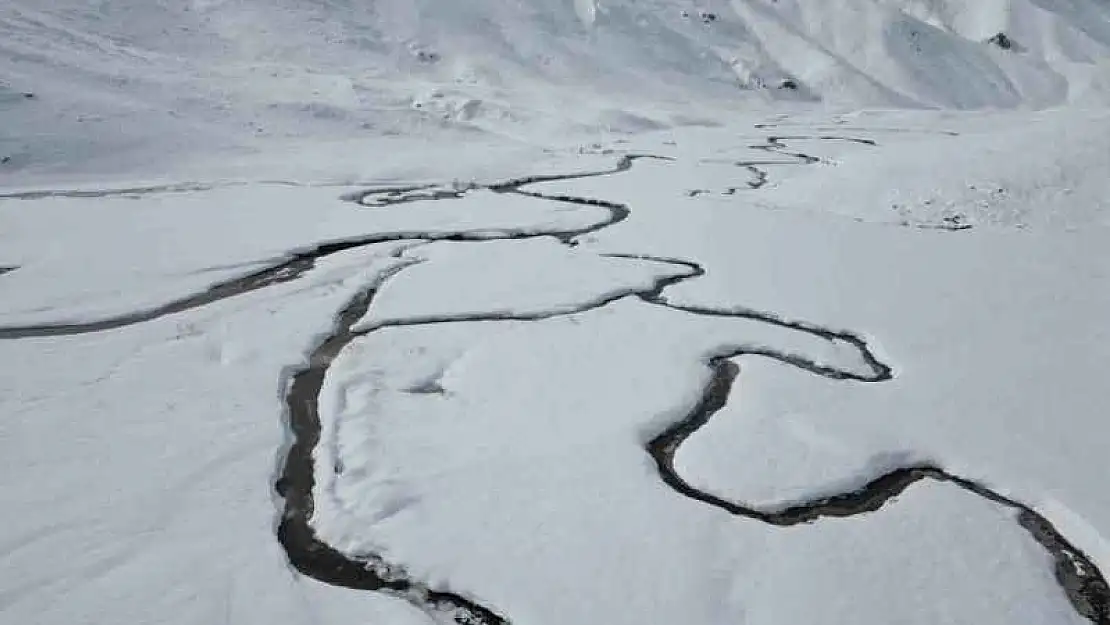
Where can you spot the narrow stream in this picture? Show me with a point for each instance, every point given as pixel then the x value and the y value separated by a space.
pixel 1077 575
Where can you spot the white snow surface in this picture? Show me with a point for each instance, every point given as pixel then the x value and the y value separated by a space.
pixel 772 458
pixel 1049 176
pixel 886 168
pixel 469 453
pixel 530 456
pixel 122 87
pixel 996 334
pixel 69 275
pixel 510 278
pixel 139 465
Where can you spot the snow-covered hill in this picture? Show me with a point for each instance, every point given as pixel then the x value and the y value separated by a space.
pixel 554 312
pixel 112 78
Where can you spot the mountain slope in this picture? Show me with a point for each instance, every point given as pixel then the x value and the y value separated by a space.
pixel 113 76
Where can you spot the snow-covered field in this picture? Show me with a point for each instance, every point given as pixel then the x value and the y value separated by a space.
pixel 540 313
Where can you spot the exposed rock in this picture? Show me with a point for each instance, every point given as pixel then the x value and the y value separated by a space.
pixel 1002 41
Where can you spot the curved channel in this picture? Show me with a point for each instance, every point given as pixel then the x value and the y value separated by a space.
pixel 297 263
pixel 1076 573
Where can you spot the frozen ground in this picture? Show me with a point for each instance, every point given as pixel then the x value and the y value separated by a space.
pixel 342 312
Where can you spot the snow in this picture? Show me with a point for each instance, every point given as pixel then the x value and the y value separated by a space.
pixel 887 220
pixel 1046 177
pixel 124 87
pixel 140 464
pixel 548 474
pixel 932 527
pixel 67 275
pixel 559 381
pixel 995 333
pixel 772 458
pixel 543 277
